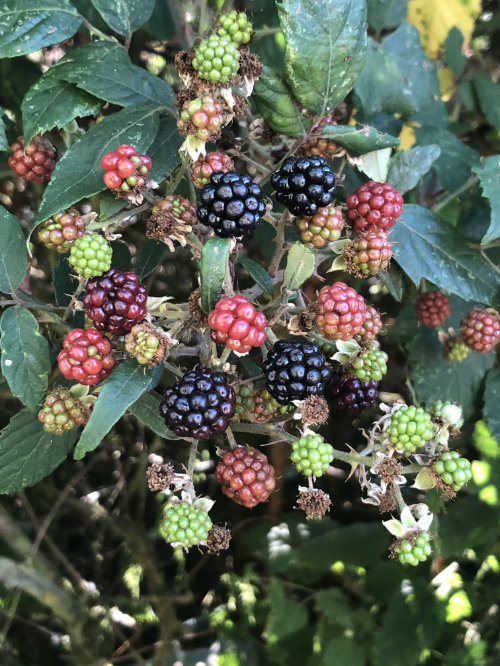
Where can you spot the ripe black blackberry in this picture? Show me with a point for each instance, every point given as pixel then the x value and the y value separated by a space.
pixel 350 394
pixel 294 370
pixel 231 204
pixel 304 184
pixel 199 404
pixel 116 301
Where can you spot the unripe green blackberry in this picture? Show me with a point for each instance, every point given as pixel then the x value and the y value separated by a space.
pixel 413 550
pixel 91 255
pixel 236 26
pixel 370 364
pixel 183 524
pixel 60 231
pixel 455 350
pixel 216 59
pixel 266 407
pixel 245 402
pixel 448 413
pixel 312 455
pixel 328 347
pixel 323 227
pixel 454 470
pixel 62 411
pixel 145 344
pixel 411 427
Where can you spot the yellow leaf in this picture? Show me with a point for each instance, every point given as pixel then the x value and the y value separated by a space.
pixel 407 137
pixel 447 83
pixel 434 20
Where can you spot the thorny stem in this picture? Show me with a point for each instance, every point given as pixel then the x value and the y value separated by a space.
pixel 280 243
pixel 74 298
pixel 116 219
pixel 193 451
pixel 399 496
pixel 225 355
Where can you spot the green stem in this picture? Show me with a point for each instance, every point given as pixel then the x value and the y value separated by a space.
pixel 193 451
pixel 399 496
pixel 231 439
pixel 225 355
pixel 116 219
pixel 201 24
pixel 280 242
pixel 181 172
pixel 92 29
pixel 453 195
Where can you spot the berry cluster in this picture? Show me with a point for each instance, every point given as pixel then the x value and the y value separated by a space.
pixel 323 227
pixel 62 411
pixel 115 302
pixel 410 428
pixel 217 59
pixel 184 524
pixel 370 364
pixel 350 394
pixel 202 117
pixel 34 163
pixel 145 344
pixel 236 324
pixel 454 470
pixel 231 204
pixel 481 330
pixel 340 312
pixel 86 356
pixel 368 254
pixel 125 169
pixel 60 231
pixel 374 205
pixel 312 455
pixel 433 308
pixel 208 164
pixel 413 549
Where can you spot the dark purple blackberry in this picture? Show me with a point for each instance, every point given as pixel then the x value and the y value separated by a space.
pixel 116 301
pixel 295 370
pixel 350 394
pixel 199 404
pixel 231 204
pixel 304 184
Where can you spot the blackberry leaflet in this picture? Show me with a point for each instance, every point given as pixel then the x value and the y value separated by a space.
pixel 304 185
pixel 231 204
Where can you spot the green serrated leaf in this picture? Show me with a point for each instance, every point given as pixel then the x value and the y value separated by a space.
pixel 78 173
pixel 281 606
pixel 161 24
pixel 25 356
pixel 105 70
pixel 488 93
pixel 393 281
pixel 488 174
pixel 28 453
pixel 259 274
pixel 409 82
pixel 491 402
pixel 164 151
pixel 325 49
pixel 27 25
pixel 359 139
pixel 453 55
pixel 65 283
pixel 460 529
pixel 332 604
pixel 124 16
pixel 52 102
pixel 300 264
pixel 386 14
pixel 408 166
pixel 109 205
pixel 123 387
pixel 276 104
pixel 121 258
pixel 146 410
pixel 149 258
pixel 426 246
pixel 13 254
pixel 454 164
pixel 213 264
pixel 343 650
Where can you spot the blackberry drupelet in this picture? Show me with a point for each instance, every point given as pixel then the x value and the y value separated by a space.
pixel 231 204
pixel 294 370
pixel 199 404
pixel 304 185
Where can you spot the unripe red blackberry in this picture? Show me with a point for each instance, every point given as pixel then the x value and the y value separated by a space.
pixel 340 312
pixel 86 356
pixel 90 255
pixel 201 117
pixel 481 329
pixel 371 327
pixel 216 59
pixel 115 302
pixel 245 476
pixel 312 455
pixel 433 308
pixel 125 169
pixel 35 163
pixel 236 324
pixel 206 165
pixel 60 231
pixel 146 345
pixel 199 404
pixel 350 394
pixel 184 524
pixel 368 254
pixel 320 146
pixel 266 407
pixel 374 205
pixel 323 227
pixel 62 411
